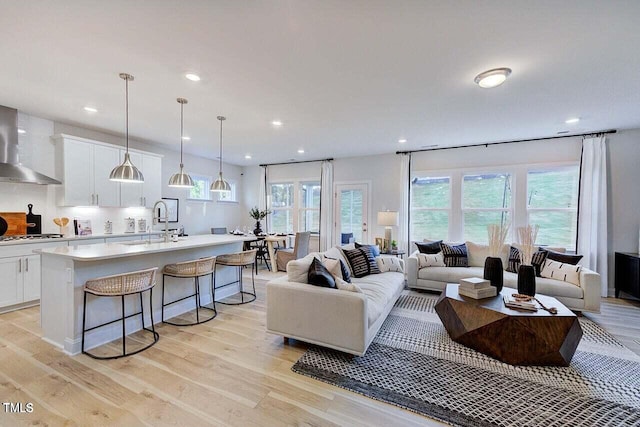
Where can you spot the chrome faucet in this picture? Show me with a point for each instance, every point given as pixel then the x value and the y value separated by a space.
pixel 157 218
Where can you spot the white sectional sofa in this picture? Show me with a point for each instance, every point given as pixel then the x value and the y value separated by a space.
pixel 334 318
pixel 585 297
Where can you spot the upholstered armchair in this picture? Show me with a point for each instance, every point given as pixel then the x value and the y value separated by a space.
pixel 300 250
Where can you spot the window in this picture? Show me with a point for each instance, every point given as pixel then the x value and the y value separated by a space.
pixel 229 196
pixel 309 207
pixel 486 199
pixel 552 203
pixel 295 206
pixel 281 207
pixel 200 189
pixel 430 207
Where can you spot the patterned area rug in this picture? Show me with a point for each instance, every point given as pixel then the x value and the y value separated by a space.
pixel 414 364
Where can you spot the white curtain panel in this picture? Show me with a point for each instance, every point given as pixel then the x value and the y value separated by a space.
pixel 405 177
pixel 592 223
pixel 326 206
pixel 262 191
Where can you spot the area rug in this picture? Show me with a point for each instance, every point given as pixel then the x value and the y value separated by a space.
pixel 413 363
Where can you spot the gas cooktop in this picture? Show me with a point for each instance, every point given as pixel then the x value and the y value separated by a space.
pixel 30 237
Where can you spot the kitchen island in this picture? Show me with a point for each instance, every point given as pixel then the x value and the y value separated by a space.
pixel 65 270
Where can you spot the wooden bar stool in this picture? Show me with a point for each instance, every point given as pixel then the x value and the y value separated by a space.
pixel 121 285
pixel 191 270
pixel 238 259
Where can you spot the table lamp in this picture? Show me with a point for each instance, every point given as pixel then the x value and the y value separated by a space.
pixel 388 219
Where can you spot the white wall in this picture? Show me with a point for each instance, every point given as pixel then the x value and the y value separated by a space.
pixel 623 195
pixel 37 151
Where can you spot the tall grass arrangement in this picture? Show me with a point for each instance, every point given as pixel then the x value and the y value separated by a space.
pixel 497 236
pixel 527 239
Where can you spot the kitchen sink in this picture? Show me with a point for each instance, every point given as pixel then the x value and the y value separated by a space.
pixel 146 241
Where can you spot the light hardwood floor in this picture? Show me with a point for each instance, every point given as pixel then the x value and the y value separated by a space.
pixel 225 372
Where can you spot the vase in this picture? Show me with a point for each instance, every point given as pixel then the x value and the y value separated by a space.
pixel 526 280
pixel 493 272
pixel 258 230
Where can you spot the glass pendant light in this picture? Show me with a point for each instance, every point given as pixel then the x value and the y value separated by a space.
pixel 126 172
pixel 181 179
pixel 220 185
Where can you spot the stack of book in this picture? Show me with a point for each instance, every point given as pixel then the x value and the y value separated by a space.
pixel 511 302
pixel 476 288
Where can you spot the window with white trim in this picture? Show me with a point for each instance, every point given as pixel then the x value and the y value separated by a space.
pixel 228 196
pixel 430 207
pixel 295 206
pixel 552 203
pixel 486 199
pixel 200 189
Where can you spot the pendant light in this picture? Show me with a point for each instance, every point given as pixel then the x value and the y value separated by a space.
pixel 181 179
pixel 126 172
pixel 220 185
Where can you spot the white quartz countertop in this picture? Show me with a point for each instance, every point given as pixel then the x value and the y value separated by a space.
pixel 123 249
pixel 76 238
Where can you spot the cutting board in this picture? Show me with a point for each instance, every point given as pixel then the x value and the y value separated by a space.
pixel 34 219
pixel 16 223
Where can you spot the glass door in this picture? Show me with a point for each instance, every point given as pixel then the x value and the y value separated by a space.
pixel 351 212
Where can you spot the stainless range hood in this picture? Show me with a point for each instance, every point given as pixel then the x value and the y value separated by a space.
pixel 10 168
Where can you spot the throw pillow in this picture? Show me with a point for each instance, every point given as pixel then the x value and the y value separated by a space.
pixel 337 268
pixel 298 269
pixel 561 257
pixel 454 256
pixel 537 260
pixel 318 275
pixel 346 286
pixel 428 260
pixel 374 248
pixel 560 271
pixel 428 248
pixel 336 253
pixel 476 254
pixel 390 263
pixel 362 262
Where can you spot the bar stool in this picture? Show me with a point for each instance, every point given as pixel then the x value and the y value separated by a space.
pixel 191 270
pixel 121 285
pixel 238 259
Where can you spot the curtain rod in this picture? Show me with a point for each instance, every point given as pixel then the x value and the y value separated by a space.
pixel 293 163
pixel 486 144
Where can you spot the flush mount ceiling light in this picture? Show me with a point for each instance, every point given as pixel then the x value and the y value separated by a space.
pixel 572 120
pixel 276 123
pixel 126 172
pixel 402 140
pixel 301 151
pixel 220 185
pixel 90 109
pixel 492 78
pixel 193 77
pixel 247 156
pixel 181 179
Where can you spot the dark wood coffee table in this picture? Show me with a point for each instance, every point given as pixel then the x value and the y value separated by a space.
pixel 517 337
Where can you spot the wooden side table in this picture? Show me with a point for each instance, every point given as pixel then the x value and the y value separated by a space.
pixel 627 277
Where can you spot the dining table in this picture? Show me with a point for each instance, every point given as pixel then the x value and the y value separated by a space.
pixel 271 241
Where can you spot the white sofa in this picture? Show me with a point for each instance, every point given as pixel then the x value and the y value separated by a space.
pixel 585 297
pixel 339 319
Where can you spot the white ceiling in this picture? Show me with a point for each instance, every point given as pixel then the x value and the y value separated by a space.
pixel 347 78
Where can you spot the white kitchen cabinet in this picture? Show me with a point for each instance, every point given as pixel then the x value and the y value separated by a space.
pixel 31 278
pixel 148 192
pixel 11 283
pixel 86 168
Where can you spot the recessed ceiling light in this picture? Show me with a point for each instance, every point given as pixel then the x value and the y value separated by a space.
pixel 492 78
pixel 247 156
pixel 572 120
pixel 277 123
pixel 22 131
pixel 90 109
pixel 301 151
pixel 192 77
pixel 402 141
pixel 186 138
